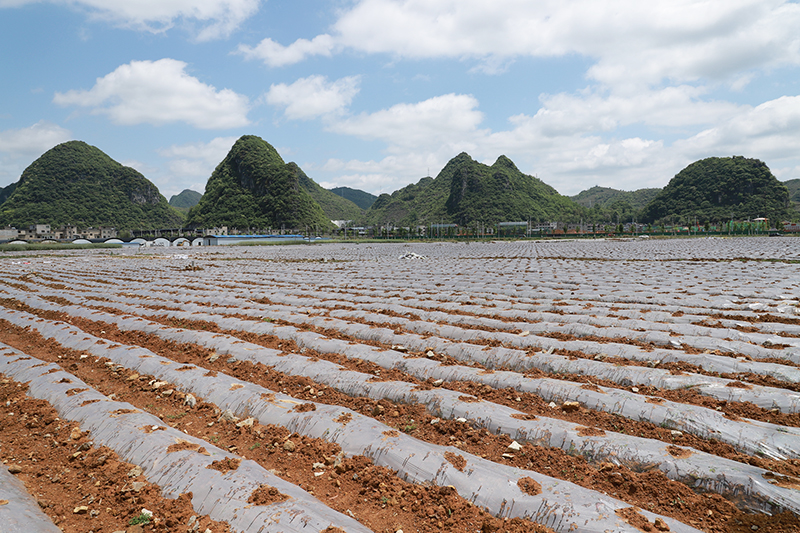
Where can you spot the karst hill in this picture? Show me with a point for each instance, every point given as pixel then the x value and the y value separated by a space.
pixel 254 188
pixel 75 183
pixel 468 192
pixel 719 189
pixel 185 200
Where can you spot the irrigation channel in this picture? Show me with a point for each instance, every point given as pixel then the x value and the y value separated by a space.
pixel 587 386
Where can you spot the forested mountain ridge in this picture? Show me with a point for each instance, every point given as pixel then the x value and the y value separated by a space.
pixel 75 183
pixel 794 189
pixel 605 204
pixel 718 189
pixel 334 206
pixel 468 192
pixel 6 191
pixel 362 199
pixel 607 197
pixel 254 188
pixel 185 200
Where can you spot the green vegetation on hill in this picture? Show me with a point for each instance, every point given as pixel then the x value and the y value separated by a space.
pixel 362 199
pixel 794 189
pixel 252 188
pixel 185 200
pixel 75 183
pixel 5 192
pixel 606 204
pixel 334 206
pixel 606 197
pixel 718 189
pixel 467 193
pixel 418 203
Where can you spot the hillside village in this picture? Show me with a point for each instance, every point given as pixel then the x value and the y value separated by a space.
pixel 66 232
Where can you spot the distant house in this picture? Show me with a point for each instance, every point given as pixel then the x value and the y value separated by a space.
pixel 91 233
pixel 222 230
pixel 792 227
pixel 41 231
pixel 67 232
pixel 9 234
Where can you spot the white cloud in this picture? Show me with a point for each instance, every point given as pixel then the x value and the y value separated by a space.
pixel 196 160
pixel 634 43
pixel 159 92
pixel 188 166
pixel 33 140
pixel 376 183
pixel 654 69
pixel 213 151
pixel 786 173
pixel 671 107
pixel 768 131
pixel 381 176
pixel 561 142
pixel 449 121
pixel 20 147
pixel 720 41
pixel 276 55
pixel 313 96
pixel 215 18
pixel 576 160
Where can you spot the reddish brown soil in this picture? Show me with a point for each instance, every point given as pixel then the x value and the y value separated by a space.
pixel 64 473
pixel 373 494
pixel 633 516
pixel 456 460
pixel 265 495
pixel 529 486
pixel 225 465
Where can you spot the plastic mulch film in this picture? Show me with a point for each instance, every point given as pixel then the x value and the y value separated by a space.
pixel 560 504
pixel 141 439
pixel 711 362
pixel 520 360
pixel 747 486
pixel 749 436
pixel 454 341
pixel 19 512
pixel 723 340
pixel 657 328
pixel 743 484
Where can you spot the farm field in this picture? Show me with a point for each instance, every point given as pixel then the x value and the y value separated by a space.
pixel 589 386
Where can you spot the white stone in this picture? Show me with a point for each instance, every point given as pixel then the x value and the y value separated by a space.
pixel 247 422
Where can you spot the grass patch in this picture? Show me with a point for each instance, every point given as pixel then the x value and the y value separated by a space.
pixel 142 518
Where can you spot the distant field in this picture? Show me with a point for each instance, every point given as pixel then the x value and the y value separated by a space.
pixel 589 386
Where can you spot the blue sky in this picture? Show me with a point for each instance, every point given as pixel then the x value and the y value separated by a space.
pixel 376 94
